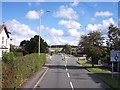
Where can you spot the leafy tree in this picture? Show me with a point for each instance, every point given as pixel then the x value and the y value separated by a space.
pixel 66 49
pixel 92 44
pixel 114 37
pixel 31 46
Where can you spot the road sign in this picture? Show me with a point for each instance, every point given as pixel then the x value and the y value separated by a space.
pixel 115 56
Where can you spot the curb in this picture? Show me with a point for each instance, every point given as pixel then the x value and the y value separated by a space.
pixel 31 82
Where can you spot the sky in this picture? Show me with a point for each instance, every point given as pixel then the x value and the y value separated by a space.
pixel 60 22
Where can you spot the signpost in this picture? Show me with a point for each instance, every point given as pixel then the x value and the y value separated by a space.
pixel 115 57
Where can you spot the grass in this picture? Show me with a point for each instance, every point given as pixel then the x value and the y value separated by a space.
pixel 69 55
pixel 112 82
pixel 83 62
pixel 97 70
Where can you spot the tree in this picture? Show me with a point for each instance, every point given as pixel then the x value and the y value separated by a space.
pixel 92 43
pixel 114 37
pixel 67 48
pixel 31 46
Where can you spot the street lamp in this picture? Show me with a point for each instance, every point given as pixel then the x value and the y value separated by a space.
pixel 41 12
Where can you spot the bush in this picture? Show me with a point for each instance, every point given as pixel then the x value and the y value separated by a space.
pixel 18 54
pixel 8 57
pixel 23 68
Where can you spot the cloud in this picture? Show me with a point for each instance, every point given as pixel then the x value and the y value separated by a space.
pixel 32 15
pixel 61 41
pixel 55 32
pixel 65 12
pixel 73 33
pixel 102 27
pixel 75 3
pixel 103 14
pixel 19 31
pixel 70 24
pixel 41 28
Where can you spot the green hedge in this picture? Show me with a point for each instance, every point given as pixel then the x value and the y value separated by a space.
pixel 22 69
pixel 8 57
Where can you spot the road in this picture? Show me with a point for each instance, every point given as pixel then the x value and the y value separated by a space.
pixel 68 74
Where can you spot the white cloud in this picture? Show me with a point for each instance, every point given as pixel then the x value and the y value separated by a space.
pixel 65 12
pixel 19 31
pixel 70 24
pixel 102 27
pixel 55 32
pixel 75 3
pixel 103 14
pixel 32 15
pixel 41 28
pixel 73 33
pixel 61 41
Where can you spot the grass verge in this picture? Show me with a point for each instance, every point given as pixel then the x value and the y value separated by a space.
pixel 112 82
pixel 97 70
pixel 82 62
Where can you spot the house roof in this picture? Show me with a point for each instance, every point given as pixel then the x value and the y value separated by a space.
pixel 3 27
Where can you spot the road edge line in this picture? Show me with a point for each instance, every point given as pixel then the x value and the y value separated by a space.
pixel 40 79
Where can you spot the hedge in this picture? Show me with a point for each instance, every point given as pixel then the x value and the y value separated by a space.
pixel 22 69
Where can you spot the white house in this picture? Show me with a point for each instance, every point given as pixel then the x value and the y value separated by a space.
pixel 4 40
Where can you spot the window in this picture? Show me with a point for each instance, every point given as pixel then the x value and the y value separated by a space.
pixel 2 40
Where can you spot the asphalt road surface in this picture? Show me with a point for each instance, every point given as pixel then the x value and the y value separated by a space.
pixel 68 74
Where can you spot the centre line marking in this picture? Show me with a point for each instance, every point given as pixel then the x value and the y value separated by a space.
pixel 66 69
pixel 71 85
pixel 65 65
pixel 68 74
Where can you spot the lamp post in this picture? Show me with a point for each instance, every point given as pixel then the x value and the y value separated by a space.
pixel 41 12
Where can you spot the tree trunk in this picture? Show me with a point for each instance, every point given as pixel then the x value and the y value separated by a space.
pixel 92 62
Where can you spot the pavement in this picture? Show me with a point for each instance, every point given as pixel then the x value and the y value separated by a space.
pixel 64 74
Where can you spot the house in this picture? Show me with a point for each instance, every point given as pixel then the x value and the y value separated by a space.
pixel 4 40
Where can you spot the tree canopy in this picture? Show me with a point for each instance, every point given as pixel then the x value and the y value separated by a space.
pixel 31 46
pixel 92 43
pixel 114 37
pixel 66 49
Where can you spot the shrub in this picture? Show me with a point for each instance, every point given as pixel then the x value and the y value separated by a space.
pixel 23 68
pixel 18 54
pixel 8 57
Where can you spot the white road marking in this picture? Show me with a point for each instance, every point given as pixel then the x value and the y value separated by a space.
pixel 71 85
pixel 68 74
pixel 65 65
pixel 40 79
pixel 66 69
